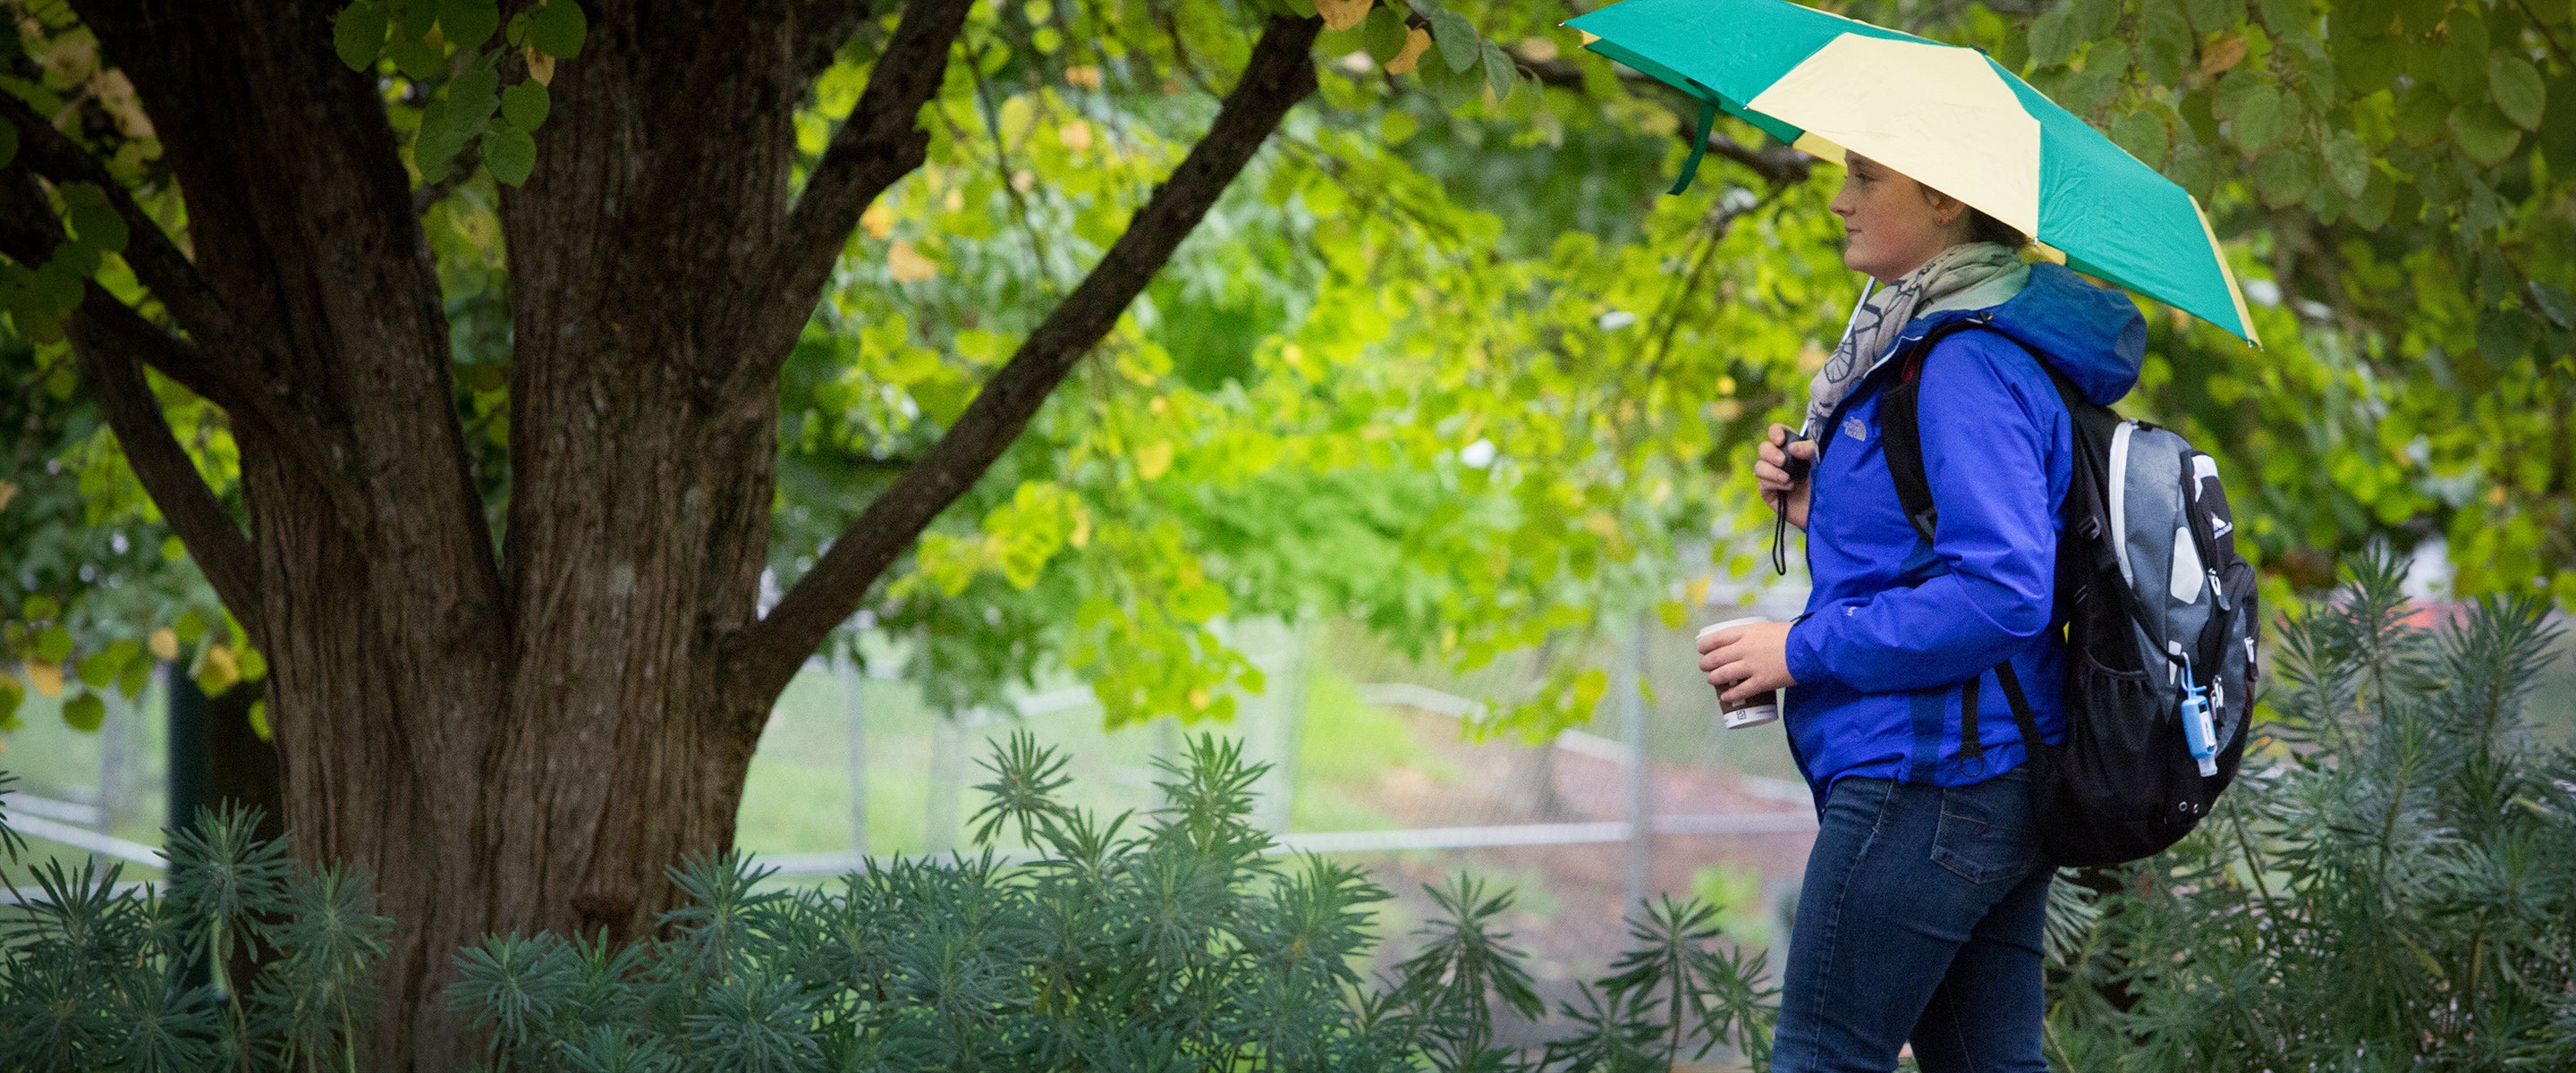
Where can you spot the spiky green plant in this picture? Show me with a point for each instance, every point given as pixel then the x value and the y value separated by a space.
pixel 94 973
pixel 1186 945
pixel 2388 886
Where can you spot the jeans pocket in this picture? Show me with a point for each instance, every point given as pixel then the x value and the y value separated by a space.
pixel 1985 834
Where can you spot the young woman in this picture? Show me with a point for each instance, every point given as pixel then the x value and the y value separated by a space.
pixel 1925 893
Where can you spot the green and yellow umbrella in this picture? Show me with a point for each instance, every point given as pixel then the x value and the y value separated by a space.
pixel 1947 116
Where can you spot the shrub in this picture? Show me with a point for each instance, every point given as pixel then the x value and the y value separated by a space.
pixel 1179 946
pixel 95 974
pixel 2389 886
pixel 1174 942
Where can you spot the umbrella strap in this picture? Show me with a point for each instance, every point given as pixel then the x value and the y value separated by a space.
pixel 1699 146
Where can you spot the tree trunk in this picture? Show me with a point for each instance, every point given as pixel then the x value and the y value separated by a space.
pixel 523 737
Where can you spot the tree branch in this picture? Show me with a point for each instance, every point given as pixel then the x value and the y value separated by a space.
pixel 880 142
pixel 1281 73
pixel 107 338
pixel 28 235
pixel 822 27
pixel 157 261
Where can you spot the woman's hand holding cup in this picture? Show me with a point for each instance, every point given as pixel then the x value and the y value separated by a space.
pixel 1746 659
pixel 1780 471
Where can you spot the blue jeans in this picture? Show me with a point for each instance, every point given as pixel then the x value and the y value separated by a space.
pixel 1920 919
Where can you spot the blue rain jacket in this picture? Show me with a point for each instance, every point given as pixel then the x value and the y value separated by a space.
pixel 1894 626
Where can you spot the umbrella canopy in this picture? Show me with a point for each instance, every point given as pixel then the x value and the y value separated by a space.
pixel 1947 116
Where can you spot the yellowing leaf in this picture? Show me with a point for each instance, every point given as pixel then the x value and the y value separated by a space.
pixel 1154 460
pixel 1084 76
pixel 1075 135
pixel 1537 49
pixel 47 678
pixel 2222 54
pixel 8 492
pixel 217 670
pixel 1342 14
pixel 1416 41
pixel 164 644
pixel 907 265
pixel 541 67
pixel 1199 698
pixel 878 221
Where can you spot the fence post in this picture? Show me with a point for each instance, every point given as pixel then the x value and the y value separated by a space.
pixel 947 770
pixel 854 708
pixel 1287 734
pixel 1632 730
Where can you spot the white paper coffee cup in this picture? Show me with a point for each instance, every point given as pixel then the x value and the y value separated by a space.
pixel 1755 710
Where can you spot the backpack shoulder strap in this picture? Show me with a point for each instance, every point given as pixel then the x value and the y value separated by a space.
pixel 1901 435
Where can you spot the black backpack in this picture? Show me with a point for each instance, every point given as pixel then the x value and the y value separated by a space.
pixel 2148 582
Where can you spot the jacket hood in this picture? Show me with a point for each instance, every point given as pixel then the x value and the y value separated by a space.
pixel 2090 333
pixel 2095 335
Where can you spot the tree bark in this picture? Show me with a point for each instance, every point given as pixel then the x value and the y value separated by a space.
pixel 523 733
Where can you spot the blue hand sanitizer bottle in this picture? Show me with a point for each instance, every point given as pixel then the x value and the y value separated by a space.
pixel 2197 730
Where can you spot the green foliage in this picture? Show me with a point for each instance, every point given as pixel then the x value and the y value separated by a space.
pixel 2387 887
pixel 94 974
pixel 1180 945
pixel 2404 177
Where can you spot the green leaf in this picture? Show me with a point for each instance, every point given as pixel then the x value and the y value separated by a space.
pixel 557 29
pixel 1383 33
pixel 418 60
pixel 100 226
pixel 40 607
pixel 2505 336
pixel 2421 16
pixel 2212 16
pixel 2555 302
pixel 2422 115
pixel 2517 89
pixel 2463 70
pixel 2094 19
pixel 468 23
pixel 2483 134
pixel 2107 59
pixel 2053 37
pixel 2260 119
pixel 525 105
pixel 358 35
pixel 2165 53
pixel 1396 126
pixel 54 645
pixel 2144 135
pixel 2369 64
pixel 2287 16
pixel 1456 37
pixel 474 93
pixel 99 669
pixel 2558 126
pixel 84 713
pixel 1500 73
pixel 511 154
pixel 2348 163
pixel 2283 176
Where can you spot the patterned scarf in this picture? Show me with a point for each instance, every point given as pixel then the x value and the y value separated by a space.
pixel 1883 314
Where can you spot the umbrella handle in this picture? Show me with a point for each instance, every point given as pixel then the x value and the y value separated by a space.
pixel 1699 146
